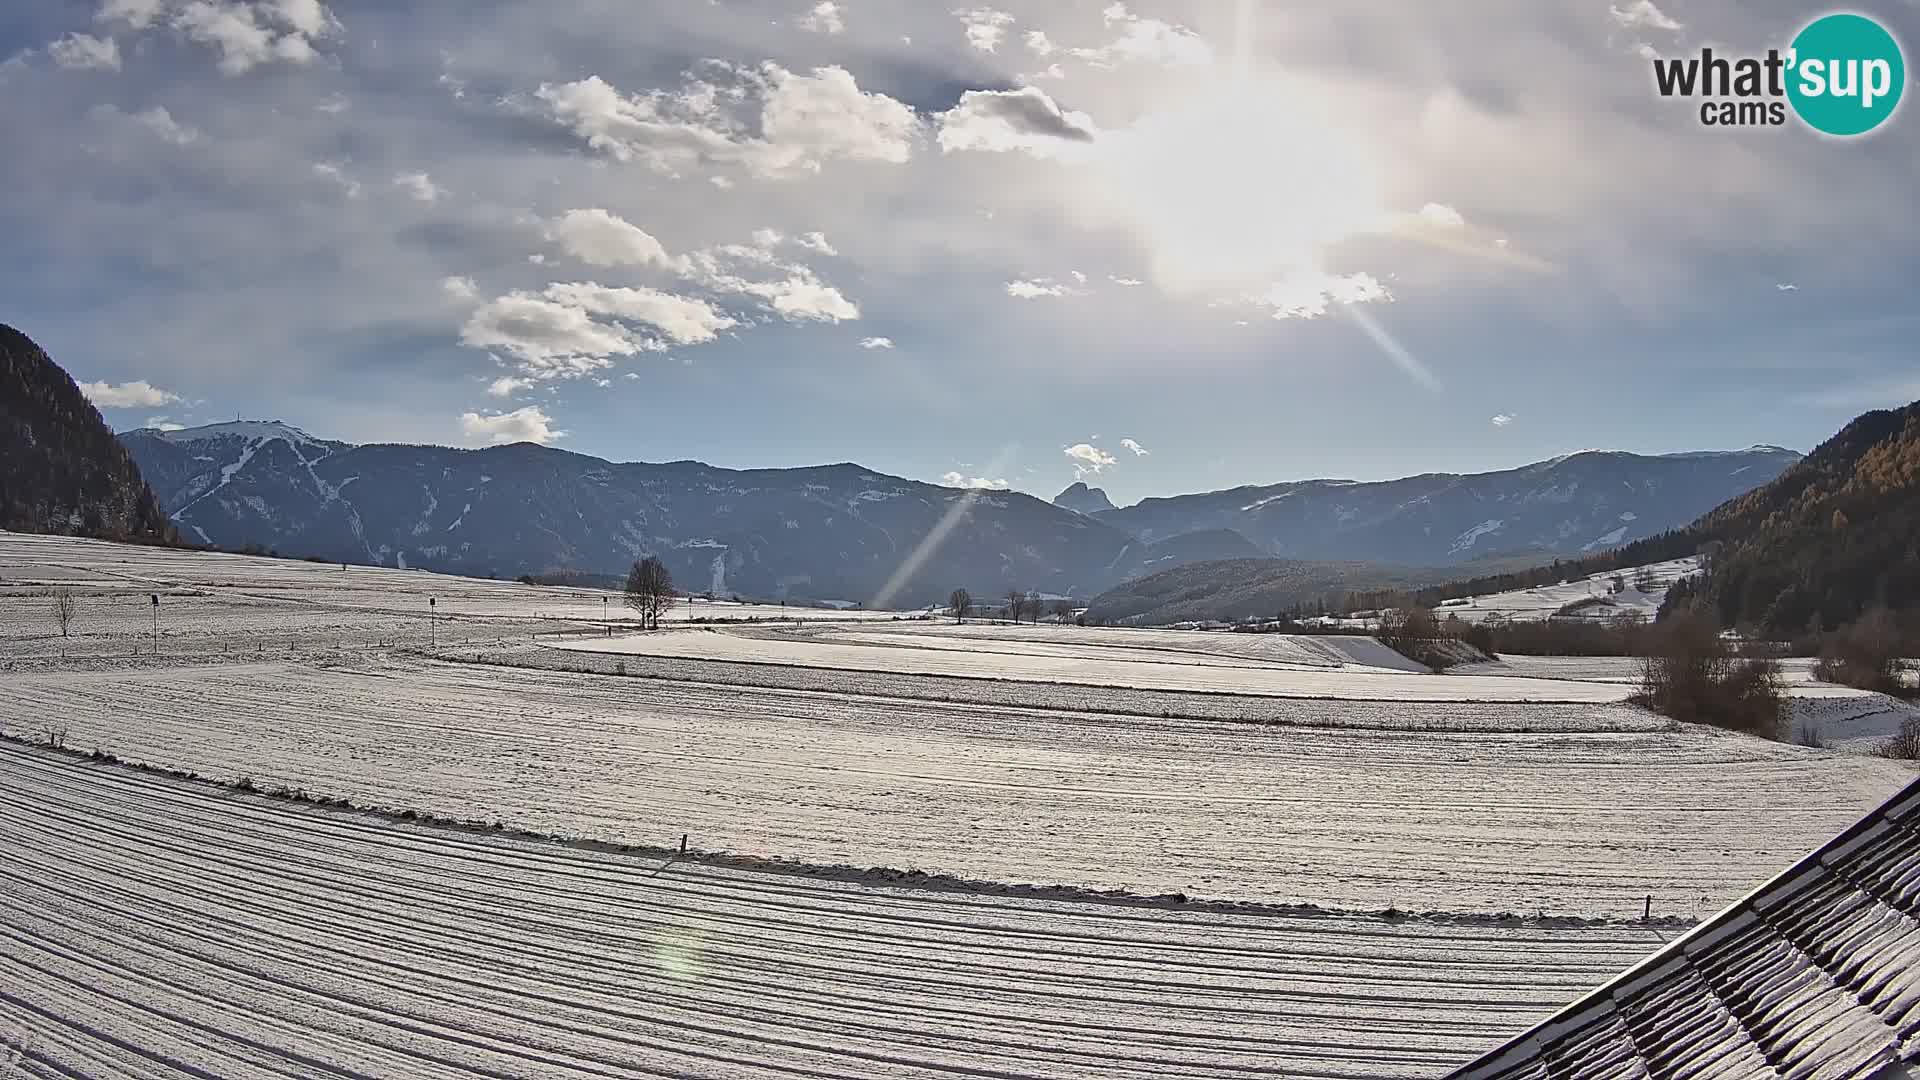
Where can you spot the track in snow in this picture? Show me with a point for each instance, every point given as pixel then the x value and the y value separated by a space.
pixel 159 928
pixel 1583 823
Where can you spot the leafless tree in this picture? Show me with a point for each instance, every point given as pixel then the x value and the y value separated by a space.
pixel 1062 611
pixel 63 608
pixel 960 603
pixel 1034 606
pixel 1016 604
pixel 649 591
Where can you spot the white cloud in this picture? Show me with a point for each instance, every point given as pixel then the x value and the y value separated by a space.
pixel 1310 295
pixel 1078 277
pixel 973 483
pixel 876 343
pixel 603 238
pixel 163 423
pixel 683 320
pixel 825 17
pixel 804 121
pixel 138 394
pixel 1502 419
pixel 244 34
pixel 985 26
pixel 507 386
pixel 419 186
pixel 84 52
pixel 1145 40
pixel 529 424
pixel 1039 43
pixel 1138 450
pixel 1001 120
pixel 816 241
pixel 137 14
pixel 338 175
pixel 798 295
pixel 1089 459
pixel 1444 216
pixel 1035 289
pixel 551 340
pixel 1039 287
pixel 161 122
pixel 1126 282
pixel 157 121
pixel 1786 286
pixel 460 287
pixel 1643 13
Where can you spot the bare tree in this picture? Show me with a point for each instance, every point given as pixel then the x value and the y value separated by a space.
pixel 1034 606
pixel 960 603
pixel 1016 604
pixel 1062 611
pixel 649 591
pixel 63 607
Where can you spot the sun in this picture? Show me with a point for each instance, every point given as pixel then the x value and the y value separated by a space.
pixel 1246 181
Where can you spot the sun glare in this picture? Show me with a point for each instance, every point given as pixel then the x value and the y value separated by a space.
pixel 1246 182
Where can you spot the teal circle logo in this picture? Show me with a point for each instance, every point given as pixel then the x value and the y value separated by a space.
pixel 1845 74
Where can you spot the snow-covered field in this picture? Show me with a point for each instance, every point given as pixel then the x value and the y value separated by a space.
pixel 1312 671
pixel 214 602
pixel 153 927
pixel 1544 601
pixel 156 926
pixel 1575 822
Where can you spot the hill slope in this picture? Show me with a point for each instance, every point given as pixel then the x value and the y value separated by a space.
pixel 1832 536
pixel 61 471
pixel 1577 503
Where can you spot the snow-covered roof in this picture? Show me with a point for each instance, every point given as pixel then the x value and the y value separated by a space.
pixel 1814 974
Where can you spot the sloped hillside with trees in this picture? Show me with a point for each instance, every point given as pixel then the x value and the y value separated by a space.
pixel 61 469
pixel 1836 535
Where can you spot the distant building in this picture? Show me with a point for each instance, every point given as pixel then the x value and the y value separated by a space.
pixel 1815 974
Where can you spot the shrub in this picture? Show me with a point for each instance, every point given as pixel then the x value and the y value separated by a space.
pixel 1864 654
pixel 1904 744
pixel 1689 676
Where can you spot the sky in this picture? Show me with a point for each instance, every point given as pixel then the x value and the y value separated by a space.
pixel 1159 245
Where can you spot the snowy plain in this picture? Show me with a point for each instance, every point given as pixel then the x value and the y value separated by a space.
pixel 1094 660
pixel 344 944
pixel 1251 769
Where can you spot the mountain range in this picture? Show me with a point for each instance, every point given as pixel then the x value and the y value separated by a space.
pixel 844 532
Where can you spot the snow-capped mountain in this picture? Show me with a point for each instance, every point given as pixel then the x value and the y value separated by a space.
pixel 833 532
pixel 1568 505
pixel 843 532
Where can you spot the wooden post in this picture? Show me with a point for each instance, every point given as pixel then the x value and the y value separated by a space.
pixel 683 845
pixel 1647 914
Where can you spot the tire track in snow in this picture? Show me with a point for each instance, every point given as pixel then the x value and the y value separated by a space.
pixel 155 927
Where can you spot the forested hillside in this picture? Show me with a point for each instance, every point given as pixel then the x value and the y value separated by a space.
pixel 1833 536
pixel 61 469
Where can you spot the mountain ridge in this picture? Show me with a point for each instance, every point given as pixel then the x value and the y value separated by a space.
pixel 838 531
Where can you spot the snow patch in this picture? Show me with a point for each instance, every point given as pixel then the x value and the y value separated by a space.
pixel 1472 536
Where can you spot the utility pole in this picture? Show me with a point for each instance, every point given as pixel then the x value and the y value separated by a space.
pixel 155 597
pixel 433 632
